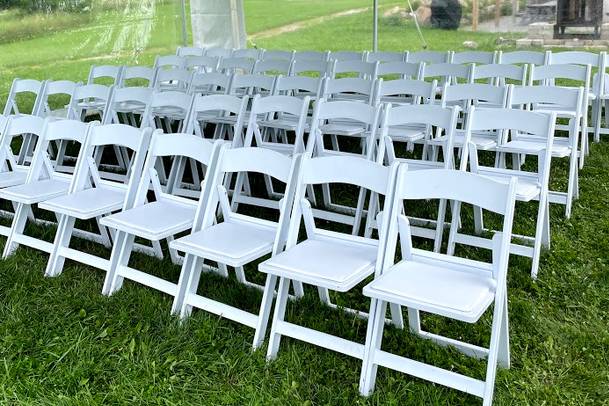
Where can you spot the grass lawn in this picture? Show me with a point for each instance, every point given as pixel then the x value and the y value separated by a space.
pixel 62 342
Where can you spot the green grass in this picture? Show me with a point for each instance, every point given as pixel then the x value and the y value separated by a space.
pixel 62 342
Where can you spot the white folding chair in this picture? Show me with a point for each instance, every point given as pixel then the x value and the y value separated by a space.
pixel 91 197
pixel 236 65
pixel 202 63
pixel 58 92
pixel 162 219
pixel 112 73
pixel 428 118
pixel 205 83
pixel 272 67
pixel 43 182
pixel 524 58
pixel 456 288
pixel 189 51
pixel 299 86
pixel 499 74
pixel 177 79
pixel 278 54
pixel 220 52
pixel 142 76
pixel 168 110
pixel 238 240
pixel 450 73
pixel 568 103
pixel 250 53
pixel 328 260
pixel 31 87
pixel 366 117
pixel 600 84
pixel 310 67
pixel 429 57
pixel 162 62
pixel 530 186
pixel 477 57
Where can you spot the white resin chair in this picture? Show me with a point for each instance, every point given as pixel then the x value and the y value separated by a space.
pixel 272 67
pixel 163 62
pixel 112 73
pixel 278 54
pixel 403 70
pixel 250 53
pixel 220 52
pixel 447 286
pixel 91 197
pixel 142 76
pixel 328 260
pixel 162 219
pixel 357 68
pixel 530 186
pixel 447 73
pixel 310 67
pixel 429 57
pixel 205 83
pixel 202 63
pixel 312 56
pixel 477 57
pixel 347 55
pixel 43 182
pixel 568 102
pixel 176 79
pixel 57 89
pixel 500 74
pixel 236 65
pixel 238 239
pixel 189 51
pixel 23 86
pixel 385 56
pixel 299 86
pixel 524 58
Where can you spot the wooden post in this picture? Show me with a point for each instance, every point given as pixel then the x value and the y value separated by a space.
pixel 474 15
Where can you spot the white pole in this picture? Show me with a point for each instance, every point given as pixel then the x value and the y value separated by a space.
pixel 375 26
pixel 184 31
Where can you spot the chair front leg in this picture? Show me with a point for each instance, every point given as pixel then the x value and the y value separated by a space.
pixel 121 251
pixel 62 240
pixel 265 311
pixel 374 337
pixel 278 316
pixel 17 227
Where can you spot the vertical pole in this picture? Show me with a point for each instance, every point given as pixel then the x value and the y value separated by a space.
pixel 184 31
pixel 375 26
pixel 497 12
pixel 474 15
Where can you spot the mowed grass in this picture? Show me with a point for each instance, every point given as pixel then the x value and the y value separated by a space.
pixel 62 342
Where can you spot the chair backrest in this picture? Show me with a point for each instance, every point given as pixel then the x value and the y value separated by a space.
pixel 91 98
pixel 202 63
pixel 173 79
pixel 124 136
pixel 349 88
pixel 356 112
pixel 209 83
pixel 570 99
pixel 278 54
pixel 189 51
pixel 298 86
pixel 429 57
pixel 21 86
pixel 575 58
pixel 236 65
pixel 54 131
pixel 251 84
pixel 201 150
pixel 133 75
pixel 443 119
pixel 64 92
pixel 498 73
pixel 523 57
pixel 112 72
pixel 472 93
pixel 549 74
pixel 405 70
pixel 385 56
pixel 284 107
pixel 405 91
pixel 250 53
pixel 220 105
pixel 477 57
pixel 366 70
pixel 448 72
pixel 127 100
pixel 322 56
pixel 311 66
pixel 218 52
pixel 458 186
pixel 171 104
pixel 17 126
pixel 169 62
pixel 273 66
pixel 347 55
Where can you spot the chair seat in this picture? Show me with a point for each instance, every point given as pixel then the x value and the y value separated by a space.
pixel 35 192
pixel 483 141
pixel 129 107
pixel 234 243
pixel 153 221
pixel 13 178
pixel 435 288
pixel 560 111
pixel 407 133
pixel 330 263
pixel 527 187
pixel 284 123
pixel 344 129
pixel 560 147
pixel 86 204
